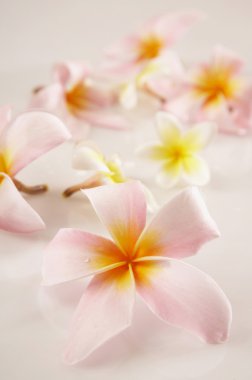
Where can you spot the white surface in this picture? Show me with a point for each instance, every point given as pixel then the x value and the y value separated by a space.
pixel 33 35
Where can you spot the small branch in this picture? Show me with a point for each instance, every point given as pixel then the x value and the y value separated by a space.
pixel 38 189
pixel 88 184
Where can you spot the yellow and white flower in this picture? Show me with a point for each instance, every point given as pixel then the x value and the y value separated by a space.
pixel 178 151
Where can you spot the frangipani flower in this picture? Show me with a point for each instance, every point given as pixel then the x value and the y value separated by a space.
pixel 101 171
pixel 77 99
pixel 215 91
pixel 152 40
pixel 142 259
pixel 88 158
pixel 29 136
pixel 159 77
pixel 177 151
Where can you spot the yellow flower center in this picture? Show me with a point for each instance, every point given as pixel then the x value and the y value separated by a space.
pixel 216 83
pixel 76 98
pixel 150 47
pixel 115 174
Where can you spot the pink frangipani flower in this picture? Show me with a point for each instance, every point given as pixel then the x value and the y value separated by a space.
pixel 75 96
pixel 216 91
pixel 151 41
pixel 142 259
pixel 23 140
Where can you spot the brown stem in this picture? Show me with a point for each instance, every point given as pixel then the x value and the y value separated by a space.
pixel 38 189
pixel 37 89
pixel 93 181
pixel 154 94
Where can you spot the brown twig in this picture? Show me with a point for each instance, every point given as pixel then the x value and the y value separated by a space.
pixel 93 181
pixel 38 189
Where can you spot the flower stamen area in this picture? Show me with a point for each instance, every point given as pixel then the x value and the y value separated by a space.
pixel 76 98
pixel 215 83
pixel 150 47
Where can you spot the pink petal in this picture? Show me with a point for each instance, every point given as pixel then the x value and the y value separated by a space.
pixel 31 135
pixel 106 120
pixel 48 98
pixel 183 296
pixel 16 215
pixel 173 26
pixel 122 209
pixel 69 73
pixel 227 58
pixel 180 228
pixel 73 254
pixel 103 312
pixel 5 117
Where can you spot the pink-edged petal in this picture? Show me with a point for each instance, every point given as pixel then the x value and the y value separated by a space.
pixel 104 311
pixel 16 215
pixel 5 117
pixel 122 209
pixel 173 26
pixel 180 228
pixel 48 98
pixel 69 73
pixel 73 254
pixel 195 171
pixel 185 297
pixel 31 135
pixel 124 50
pixel 106 120
pixel 223 57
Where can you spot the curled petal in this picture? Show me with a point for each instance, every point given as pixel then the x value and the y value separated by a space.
pixel 73 254
pixel 122 209
pixel 183 296
pixel 180 228
pixel 31 135
pixel 104 311
pixel 128 96
pixel 88 158
pixel 16 215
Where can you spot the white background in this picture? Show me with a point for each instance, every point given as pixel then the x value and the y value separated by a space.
pixel 35 34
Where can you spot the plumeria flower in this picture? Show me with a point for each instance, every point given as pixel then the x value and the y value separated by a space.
pixel 101 171
pixel 75 96
pixel 215 91
pixel 159 78
pixel 142 259
pixel 151 41
pixel 178 151
pixel 23 140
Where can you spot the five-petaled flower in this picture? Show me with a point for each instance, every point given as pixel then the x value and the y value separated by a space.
pixel 77 98
pixel 150 42
pixel 23 140
pixel 178 151
pixel 218 91
pixel 140 258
